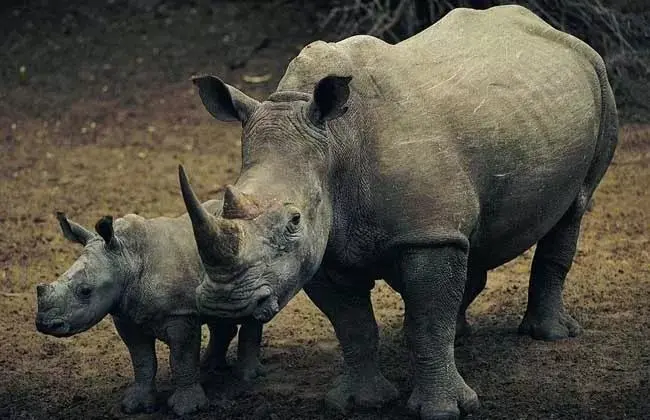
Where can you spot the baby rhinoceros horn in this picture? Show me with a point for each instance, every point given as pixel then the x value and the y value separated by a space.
pixel 217 239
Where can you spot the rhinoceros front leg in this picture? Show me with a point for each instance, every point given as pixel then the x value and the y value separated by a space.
pixel 141 395
pixel 546 318
pixel 221 334
pixel 476 280
pixel 350 311
pixel 183 335
pixel 433 281
pixel 248 351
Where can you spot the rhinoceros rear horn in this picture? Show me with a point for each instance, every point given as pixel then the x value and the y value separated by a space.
pixel 330 96
pixel 237 205
pixel 218 240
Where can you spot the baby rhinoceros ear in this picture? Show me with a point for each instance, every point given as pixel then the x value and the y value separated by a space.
pixel 105 229
pixel 73 231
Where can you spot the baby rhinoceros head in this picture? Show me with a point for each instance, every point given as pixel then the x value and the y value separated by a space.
pixel 90 288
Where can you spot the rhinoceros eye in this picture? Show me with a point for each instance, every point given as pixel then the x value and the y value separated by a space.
pixel 293 225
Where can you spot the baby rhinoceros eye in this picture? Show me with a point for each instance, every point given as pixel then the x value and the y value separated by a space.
pixel 85 291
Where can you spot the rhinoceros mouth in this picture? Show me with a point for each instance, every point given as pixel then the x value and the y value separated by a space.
pixel 53 326
pixel 240 308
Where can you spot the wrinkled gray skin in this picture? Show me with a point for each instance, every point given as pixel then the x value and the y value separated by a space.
pixel 425 163
pixel 144 272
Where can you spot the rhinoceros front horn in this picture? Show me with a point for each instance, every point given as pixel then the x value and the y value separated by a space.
pixel 218 240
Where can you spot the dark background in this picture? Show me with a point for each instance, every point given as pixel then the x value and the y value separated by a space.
pixel 96 112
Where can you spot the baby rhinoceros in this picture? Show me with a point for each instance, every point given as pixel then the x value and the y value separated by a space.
pixel 144 272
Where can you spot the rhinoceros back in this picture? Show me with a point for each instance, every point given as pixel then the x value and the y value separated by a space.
pixel 487 123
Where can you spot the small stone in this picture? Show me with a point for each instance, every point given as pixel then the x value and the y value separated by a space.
pixel 142 155
pixel 104 89
pixel 151 129
pixel 93 125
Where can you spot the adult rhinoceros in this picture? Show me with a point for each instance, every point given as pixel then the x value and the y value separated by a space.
pixel 425 163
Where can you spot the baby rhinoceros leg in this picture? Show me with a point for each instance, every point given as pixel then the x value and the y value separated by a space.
pixel 141 395
pixel 248 365
pixel 546 318
pixel 183 335
pixel 221 334
pixel 349 309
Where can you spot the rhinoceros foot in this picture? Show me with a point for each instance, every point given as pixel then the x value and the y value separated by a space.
pixel 554 328
pixel 249 370
pixel 368 392
pixel 188 400
pixel 428 404
pixel 211 364
pixel 139 398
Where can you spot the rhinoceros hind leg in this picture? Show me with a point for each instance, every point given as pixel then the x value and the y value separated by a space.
pixel 476 279
pixel 546 318
pixel 350 311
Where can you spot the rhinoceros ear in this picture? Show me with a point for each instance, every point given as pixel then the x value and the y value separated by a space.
pixel 330 96
pixel 105 229
pixel 73 231
pixel 224 102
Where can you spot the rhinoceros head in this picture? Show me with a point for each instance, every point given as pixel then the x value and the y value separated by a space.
pixel 276 219
pixel 90 288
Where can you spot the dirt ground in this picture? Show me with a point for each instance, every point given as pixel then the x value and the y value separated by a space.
pixel 96 124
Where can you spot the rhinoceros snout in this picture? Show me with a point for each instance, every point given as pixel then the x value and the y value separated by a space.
pixel 44 295
pixel 42 290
